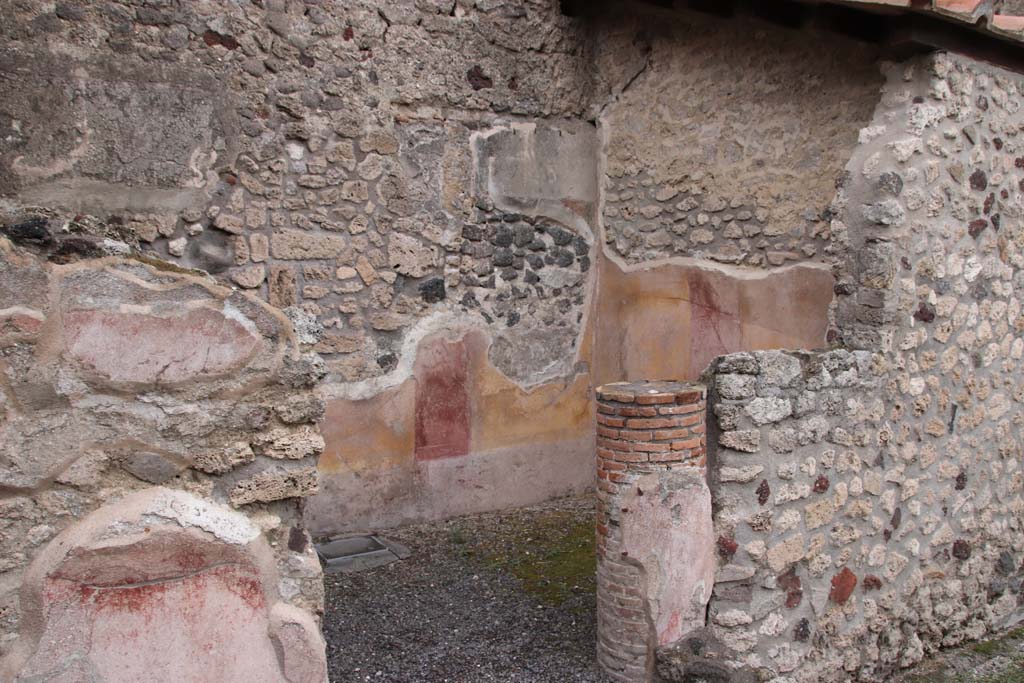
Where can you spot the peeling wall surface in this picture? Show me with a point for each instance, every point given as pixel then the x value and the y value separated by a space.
pixel 655 548
pixel 414 235
pixel 141 406
pixel 442 225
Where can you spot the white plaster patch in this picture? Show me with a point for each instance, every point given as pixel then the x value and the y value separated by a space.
pixel 232 313
pixel 189 511
pixel 22 310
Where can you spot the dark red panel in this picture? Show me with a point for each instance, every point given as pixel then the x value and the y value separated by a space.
pixel 442 400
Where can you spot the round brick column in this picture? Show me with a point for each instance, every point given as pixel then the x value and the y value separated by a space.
pixel 643 428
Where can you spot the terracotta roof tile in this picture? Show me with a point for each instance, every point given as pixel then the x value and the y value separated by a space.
pixel 1008 23
pixel 979 13
pixel 968 7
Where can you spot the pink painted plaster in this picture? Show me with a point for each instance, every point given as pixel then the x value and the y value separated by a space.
pixel 667 532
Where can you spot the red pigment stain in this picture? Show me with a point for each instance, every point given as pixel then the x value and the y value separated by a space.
pixel 148 599
pixel 672 628
pixel 24 324
pixel 137 599
pixel 190 559
pixel 442 400
pixel 713 332
pixel 249 589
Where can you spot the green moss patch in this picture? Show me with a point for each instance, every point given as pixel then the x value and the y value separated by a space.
pixel 551 553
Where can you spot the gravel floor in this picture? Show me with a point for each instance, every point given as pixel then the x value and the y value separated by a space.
pixel 495 597
pixel 509 597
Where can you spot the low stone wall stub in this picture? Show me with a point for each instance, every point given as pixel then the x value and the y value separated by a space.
pixel 135 392
pixel 655 563
pixel 162 585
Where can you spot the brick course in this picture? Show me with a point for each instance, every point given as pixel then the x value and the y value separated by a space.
pixel 643 427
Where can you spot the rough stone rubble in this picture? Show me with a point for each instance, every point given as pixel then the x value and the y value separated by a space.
pixel 209 207
pixel 868 502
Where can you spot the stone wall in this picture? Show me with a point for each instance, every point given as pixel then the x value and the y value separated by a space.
pixel 428 188
pixel 868 502
pixel 721 157
pixel 337 158
pixel 433 182
pixel 728 144
pixel 141 405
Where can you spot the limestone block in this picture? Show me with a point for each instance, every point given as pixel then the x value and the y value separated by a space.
pixel 767 410
pixel 408 256
pixel 746 440
pixel 275 483
pixel 299 245
pixel 289 443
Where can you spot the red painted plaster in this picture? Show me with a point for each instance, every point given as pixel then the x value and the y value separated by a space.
pixel 714 325
pixel 442 400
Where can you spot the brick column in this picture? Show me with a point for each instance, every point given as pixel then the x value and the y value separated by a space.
pixel 643 428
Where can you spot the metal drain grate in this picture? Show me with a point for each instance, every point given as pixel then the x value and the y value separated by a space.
pixel 359 553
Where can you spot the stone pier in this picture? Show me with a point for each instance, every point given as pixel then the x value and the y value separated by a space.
pixel 655 558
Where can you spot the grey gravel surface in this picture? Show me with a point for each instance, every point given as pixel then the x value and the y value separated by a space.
pixel 454 613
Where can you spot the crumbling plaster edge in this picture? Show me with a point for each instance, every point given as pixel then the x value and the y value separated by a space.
pixel 562 214
pixel 133 513
pixel 286 346
pixel 450 324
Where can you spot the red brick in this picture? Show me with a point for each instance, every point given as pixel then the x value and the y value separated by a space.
pixel 683 410
pixel 614 444
pixel 631 457
pixel 669 456
pixel 663 434
pixel 636 434
pixel 645 447
pixel 610 421
pixel 633 411
pixel 607 432
pixel 654 399
pixel 690 396
pixel 610 394
pixel 652 423
pixel 687 445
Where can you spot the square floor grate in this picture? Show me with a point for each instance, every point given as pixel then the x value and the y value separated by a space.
pixel 358 553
